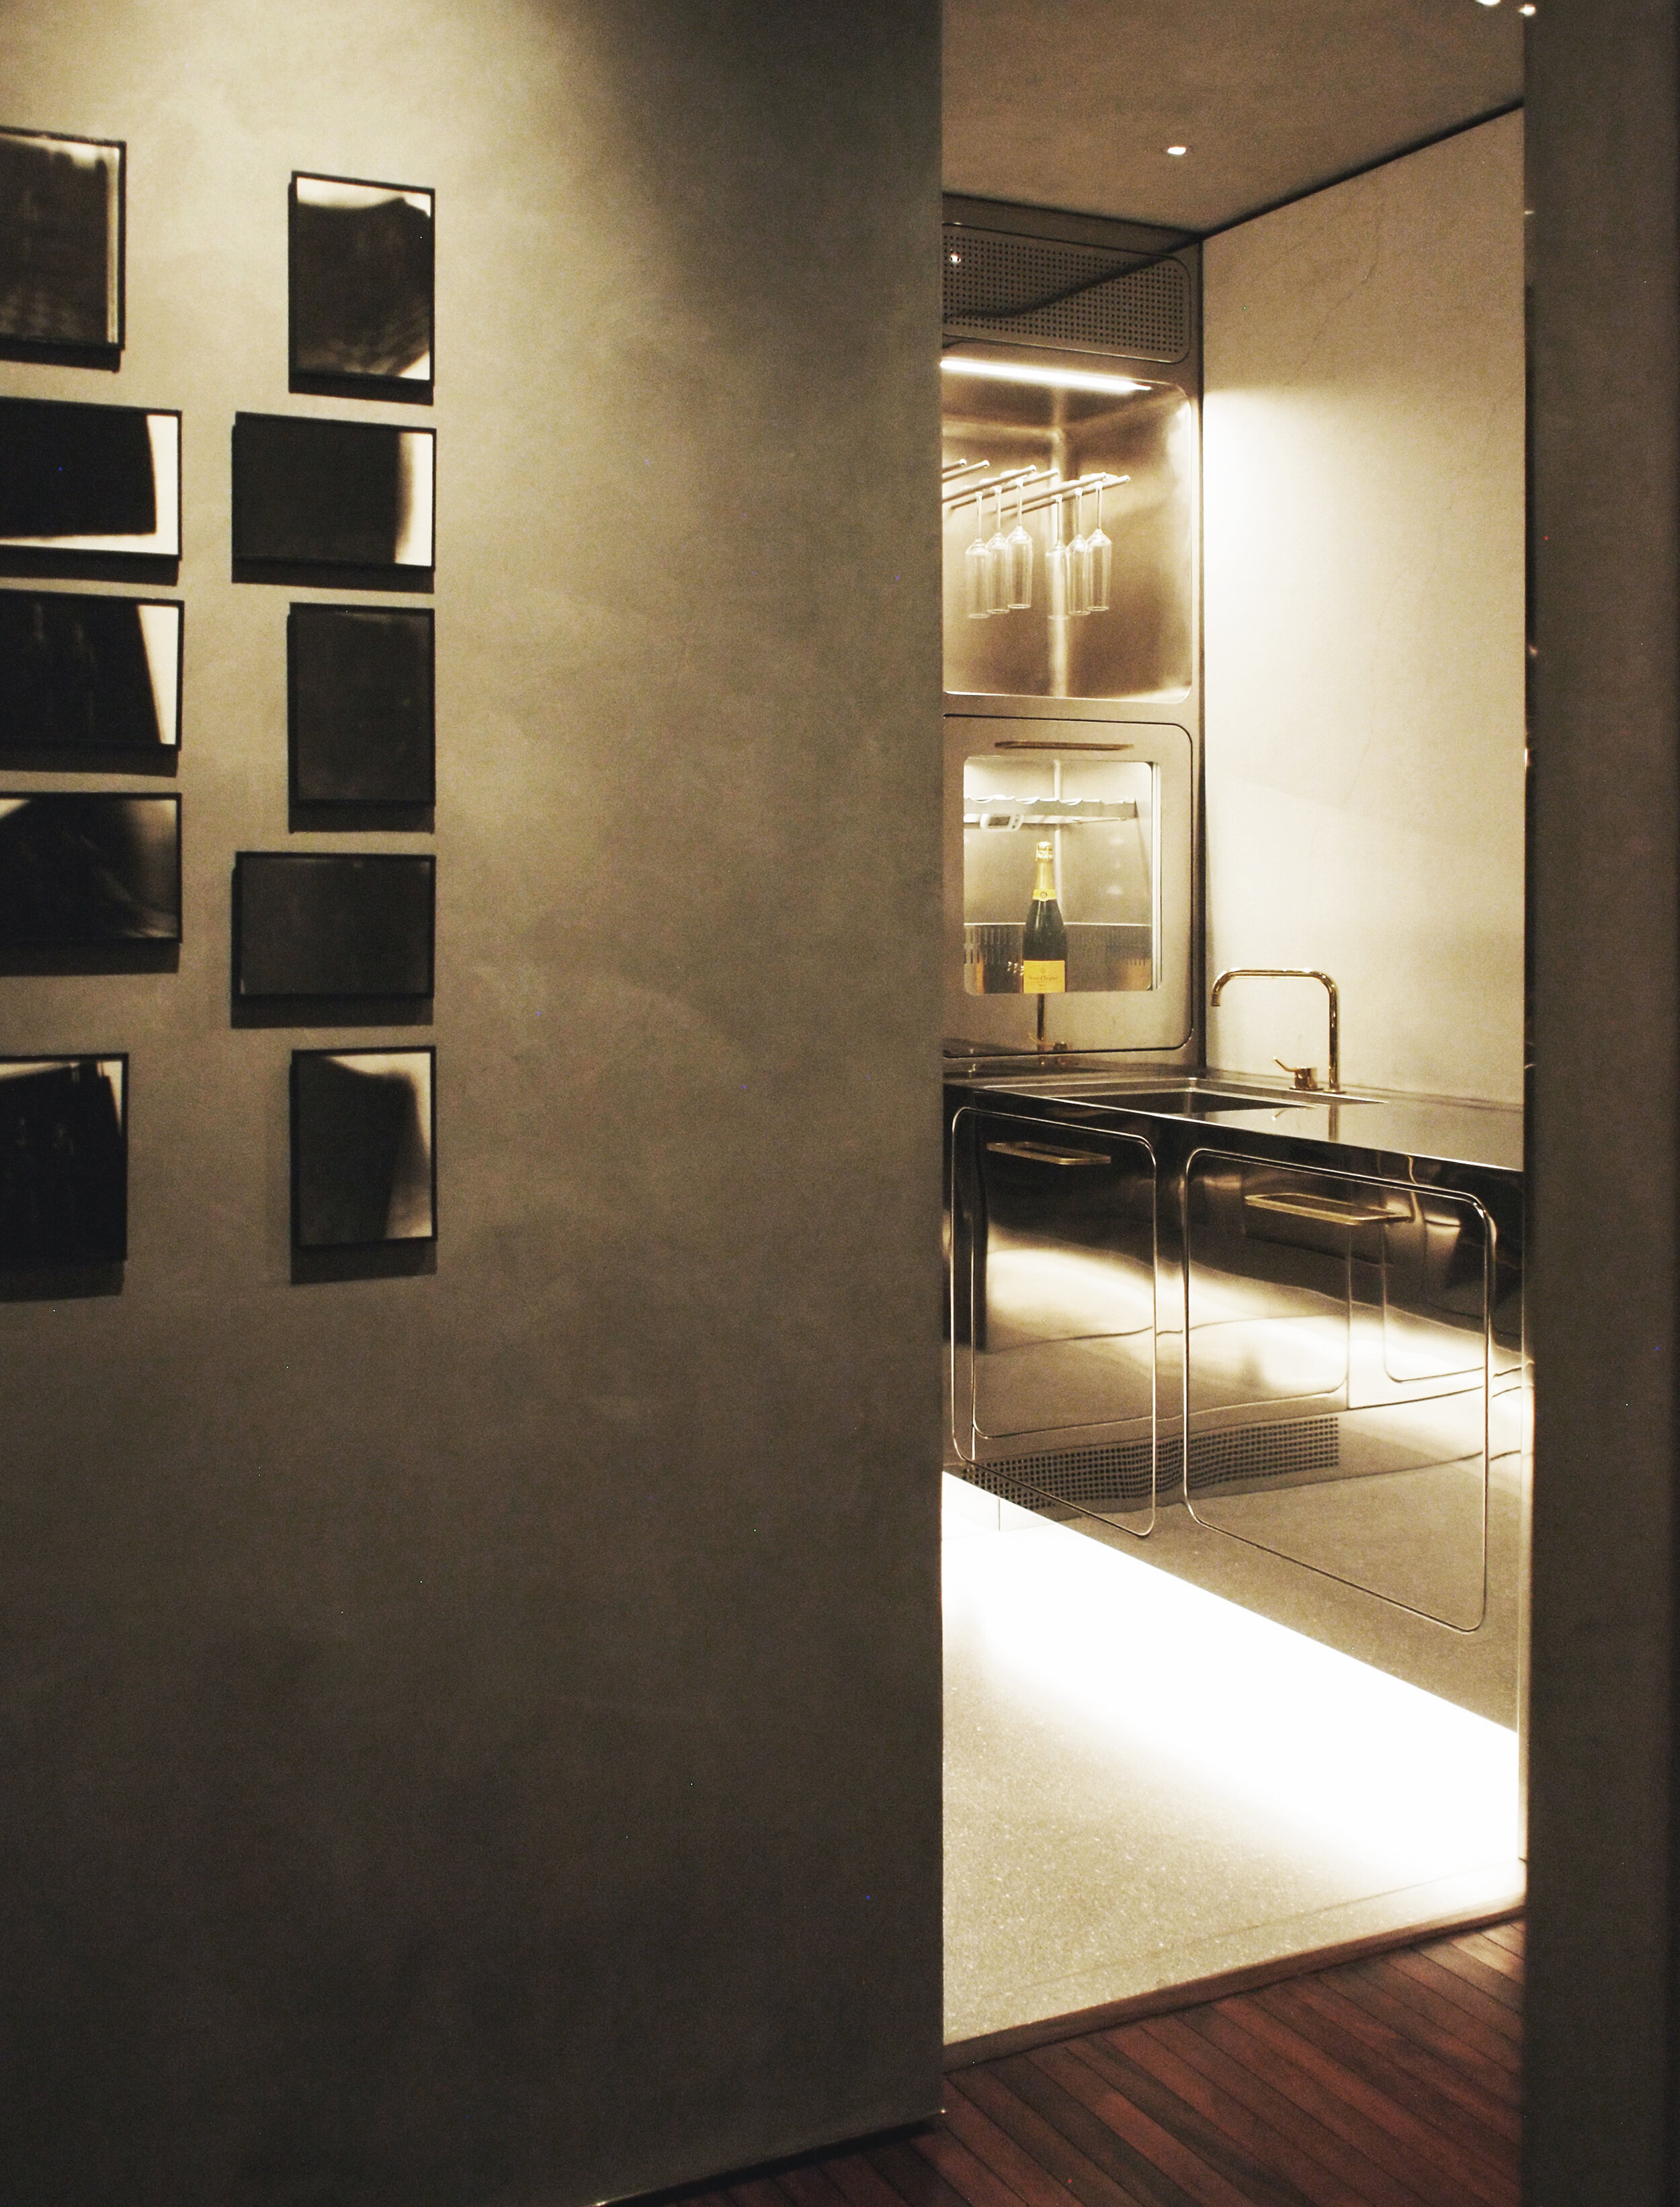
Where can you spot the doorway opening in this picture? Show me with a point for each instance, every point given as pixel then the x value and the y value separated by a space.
pixel 1237 1474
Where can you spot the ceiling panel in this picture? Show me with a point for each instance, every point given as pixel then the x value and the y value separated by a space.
pixel 1072 103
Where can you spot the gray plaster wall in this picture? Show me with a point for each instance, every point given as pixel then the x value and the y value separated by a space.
pixel 473 1736
pixel 1604 182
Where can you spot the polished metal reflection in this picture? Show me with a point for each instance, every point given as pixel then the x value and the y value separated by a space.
pixel 1053 1302
pixel 1338 1371
pixel 1351 1392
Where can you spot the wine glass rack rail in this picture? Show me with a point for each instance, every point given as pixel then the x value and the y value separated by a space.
pixel 998 570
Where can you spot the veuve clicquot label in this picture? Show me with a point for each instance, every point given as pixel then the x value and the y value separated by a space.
pixel 1044 938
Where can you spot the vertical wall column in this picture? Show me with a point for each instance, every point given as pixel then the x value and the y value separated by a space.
pixel 1605 906
pixel 473 1736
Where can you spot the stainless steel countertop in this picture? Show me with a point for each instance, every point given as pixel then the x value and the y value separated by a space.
pixel 1451 1129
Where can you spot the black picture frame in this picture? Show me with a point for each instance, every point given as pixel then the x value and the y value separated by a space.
pixel 326 923
pixel 63 212
pixel 81 868
pixel 364 1149
pixel 81 482
pixel 81 674
pixel 63 1161
pixel 360 287
pixel 312 494
pixel 360 706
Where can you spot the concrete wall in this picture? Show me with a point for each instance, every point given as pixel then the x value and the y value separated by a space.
pixel 1363 491
pixel 1600 2073
pixel 473 1736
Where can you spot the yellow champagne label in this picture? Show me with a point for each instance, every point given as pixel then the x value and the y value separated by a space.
pixel 1044 977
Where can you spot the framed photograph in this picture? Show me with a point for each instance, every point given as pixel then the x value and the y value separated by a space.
pixel 77 478
pixel 363 1147
pixel 360 263
pixel 326 923
pixel 61 243
pixel 85 674
pixel 63 1162
pixel 77 869
pixel 309 492
pixel 359 704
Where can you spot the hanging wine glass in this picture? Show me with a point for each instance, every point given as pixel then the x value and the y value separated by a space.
pixel 1055 565
pixel 1101 554
pixel 997 554
pixel 977 566
pixel 1020 557
pixel 1079 561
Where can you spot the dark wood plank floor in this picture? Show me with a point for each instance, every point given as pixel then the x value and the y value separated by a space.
pixel 1392 2081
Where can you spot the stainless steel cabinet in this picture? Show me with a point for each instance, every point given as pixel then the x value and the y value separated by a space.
pixel 1338 1374
pixel 1053 1306
pixel 1323 1362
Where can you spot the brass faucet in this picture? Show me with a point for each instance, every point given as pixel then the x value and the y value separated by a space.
pixel 1304 1076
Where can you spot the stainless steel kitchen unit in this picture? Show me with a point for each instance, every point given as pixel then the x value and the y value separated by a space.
pixel 1334 1372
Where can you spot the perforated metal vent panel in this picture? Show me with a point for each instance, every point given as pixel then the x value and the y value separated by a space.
pixel 1112 1478
pixel 1242 1454
pixel 1065 295
pixel 1117 1477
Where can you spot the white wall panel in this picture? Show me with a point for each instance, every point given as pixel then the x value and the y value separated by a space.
pixel 1363 511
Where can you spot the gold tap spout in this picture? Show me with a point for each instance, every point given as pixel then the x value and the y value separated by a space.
pixel 1294 973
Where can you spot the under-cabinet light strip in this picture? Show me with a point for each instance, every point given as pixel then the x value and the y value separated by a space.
pixel 1051 379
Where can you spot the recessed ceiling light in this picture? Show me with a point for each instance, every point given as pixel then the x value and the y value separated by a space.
pixel 1527 9
pixel 1490 3
pixel 1176 149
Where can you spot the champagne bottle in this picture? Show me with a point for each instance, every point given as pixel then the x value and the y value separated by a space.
pixel 1045 939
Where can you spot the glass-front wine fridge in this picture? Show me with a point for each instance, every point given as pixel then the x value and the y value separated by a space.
pixel 1099 813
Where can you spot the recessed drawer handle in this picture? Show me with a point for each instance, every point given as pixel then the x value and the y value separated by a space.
pixel 1040 1155
pixel 1323 1210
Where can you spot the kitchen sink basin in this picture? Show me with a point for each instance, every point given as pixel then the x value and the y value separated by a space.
pixel 1190 1099
pixel 1192 1102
